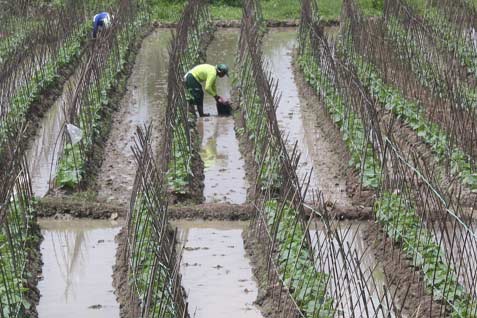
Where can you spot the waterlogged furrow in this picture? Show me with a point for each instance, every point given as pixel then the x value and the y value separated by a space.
pixel 349 122
pixel 144 103
pixel 299 124
pixel 223 164
pixel 217 276
pixel 44 148
pixel 77 269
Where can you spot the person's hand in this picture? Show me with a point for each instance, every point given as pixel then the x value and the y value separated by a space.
pixel 223 100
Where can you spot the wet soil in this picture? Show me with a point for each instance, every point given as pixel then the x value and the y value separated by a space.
pixel 217 275
pixel 129 304
pixel 68 206
pixel 304 120
pixel 331 135
pixel 44 147
pixel 33 267
pixel 411 297
pixel 272 298
pixel 77 258
pixel 223 164
pixel 142 104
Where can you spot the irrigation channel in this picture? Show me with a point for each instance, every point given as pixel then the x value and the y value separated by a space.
pixel 216 274
pixel 299 121
pixel 43 151
pixel 79 256
pixel 304 122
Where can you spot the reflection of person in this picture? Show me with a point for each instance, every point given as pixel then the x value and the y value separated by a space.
pixel 100 21
pixel 204 73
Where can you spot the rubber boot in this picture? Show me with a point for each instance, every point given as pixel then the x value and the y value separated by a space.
pixel 200 108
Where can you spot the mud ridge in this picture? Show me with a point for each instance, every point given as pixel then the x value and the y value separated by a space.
pixel 33 268
pixel 246 149
pixel 79 208
pixel 129 305
pixel 413 299
pixel 256 251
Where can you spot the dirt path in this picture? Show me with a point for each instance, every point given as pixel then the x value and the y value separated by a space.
pixel 143 104
pixel 223 164
pixel 302 120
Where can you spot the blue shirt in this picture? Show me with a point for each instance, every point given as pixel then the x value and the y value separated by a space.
pixel 98 21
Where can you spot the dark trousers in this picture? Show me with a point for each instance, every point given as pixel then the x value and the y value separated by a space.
pixel 195 93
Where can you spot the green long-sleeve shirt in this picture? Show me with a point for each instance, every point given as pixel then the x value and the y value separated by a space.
pixel 208 74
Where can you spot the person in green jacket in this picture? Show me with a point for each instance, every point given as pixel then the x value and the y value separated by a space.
pixel 207 74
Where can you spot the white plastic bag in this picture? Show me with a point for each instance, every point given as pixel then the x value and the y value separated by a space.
pixel 75 133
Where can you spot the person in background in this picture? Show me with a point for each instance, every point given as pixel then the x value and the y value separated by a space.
pixel 100 21
pixel 204 74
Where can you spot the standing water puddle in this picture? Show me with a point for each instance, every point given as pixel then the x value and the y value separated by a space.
pixel 224 166
pixel 367 285
pixel 299 123
pixel 43 151
pixel 217 276
pixel 143 103
pixel 78 256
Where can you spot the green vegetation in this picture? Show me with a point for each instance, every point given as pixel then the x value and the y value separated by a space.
pixel 16 240
pixel 295 262
pixel 351 126
pixel 170 10
pixel 44 78
pixel 72 165
pixel 180 166
pixel 402 224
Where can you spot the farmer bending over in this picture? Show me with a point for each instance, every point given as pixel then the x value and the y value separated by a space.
pixel 204 73
pixel 100 21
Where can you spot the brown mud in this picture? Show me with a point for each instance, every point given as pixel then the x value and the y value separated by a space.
pixel 360 197
pixel 266 298
pixel 129 304
pixel 143 103
pixel 34 269
pixel 59 207
pixel 412 298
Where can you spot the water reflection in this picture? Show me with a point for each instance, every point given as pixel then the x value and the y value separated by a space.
pixel 78 257
pixel 224 167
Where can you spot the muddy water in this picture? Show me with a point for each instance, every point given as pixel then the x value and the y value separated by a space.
pixel 78 256
pixel 43 150
pixel 217 275
pixel 370 282
pixel 224 167
pixel 142 104
pixel 299 123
